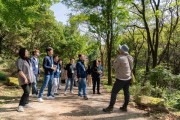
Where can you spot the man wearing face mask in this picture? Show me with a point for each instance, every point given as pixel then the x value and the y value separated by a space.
pixel 36 71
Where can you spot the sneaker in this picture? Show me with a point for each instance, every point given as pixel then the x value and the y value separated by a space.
pixel 80 95
pixel 28 106
pixel 50 97
pixel 20 109
pixel 99 93
pixel 72 92
pixel 93 92
pixel 65 93
pixel 34 95
pixel 85 98
pixel 40 100
pixel 56 93
pixel 124 109
pixel 108 109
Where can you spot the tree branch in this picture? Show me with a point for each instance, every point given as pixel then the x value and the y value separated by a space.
pixel 137 8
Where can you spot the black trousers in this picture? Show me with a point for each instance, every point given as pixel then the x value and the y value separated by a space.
pixel 118 85
pixel 96 81
pixel 25 97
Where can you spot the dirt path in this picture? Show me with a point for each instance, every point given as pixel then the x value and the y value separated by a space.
pixel 70 107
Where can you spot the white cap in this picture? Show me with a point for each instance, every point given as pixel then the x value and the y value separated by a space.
pixel 124 48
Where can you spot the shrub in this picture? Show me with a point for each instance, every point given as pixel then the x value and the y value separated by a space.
pixel 177 105
pixel 3 77
pixel 156 92
pixel 163 78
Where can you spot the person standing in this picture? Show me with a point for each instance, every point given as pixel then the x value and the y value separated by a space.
pixel 60 67
pixel 49 69
pixel 36 71
pixel 56 76
pixel 81 75
pixel 89 78
pixel 123 76
pixel 70 72
pixel 25 77
pixel 96 72
pixel 101 68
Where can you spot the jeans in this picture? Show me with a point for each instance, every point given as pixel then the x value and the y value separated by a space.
pixel 48 79
pixel 25 97
pixel 118 85
pixel 59 83
pixel 96 81
pixel 34 86
pixel 82 86
pixel 71 81
pixel 55 85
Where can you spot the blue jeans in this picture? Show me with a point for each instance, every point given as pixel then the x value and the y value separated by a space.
pixel 47 81
pixel 34 86
pixel 82 86
pixel 71 80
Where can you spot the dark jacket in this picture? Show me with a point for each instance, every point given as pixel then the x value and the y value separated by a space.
pixel 95 70
pixel 47 64
pixel 88 70
pixel 81 70
pixel 70 70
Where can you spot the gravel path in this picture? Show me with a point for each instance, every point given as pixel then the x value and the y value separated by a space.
pixel 70 107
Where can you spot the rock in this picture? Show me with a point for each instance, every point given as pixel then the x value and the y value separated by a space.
pixel 149 101
pixel 12 81
pixel 152 103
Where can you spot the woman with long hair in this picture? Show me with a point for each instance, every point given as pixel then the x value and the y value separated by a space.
pixel 25 77
pixel 96 73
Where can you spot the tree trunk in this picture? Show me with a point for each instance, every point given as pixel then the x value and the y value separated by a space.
pixel 1 46
pixel 109 42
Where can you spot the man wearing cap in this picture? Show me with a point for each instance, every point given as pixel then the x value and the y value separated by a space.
pixel 123 76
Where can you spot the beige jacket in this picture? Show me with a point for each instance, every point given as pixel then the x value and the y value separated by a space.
pixel 122 67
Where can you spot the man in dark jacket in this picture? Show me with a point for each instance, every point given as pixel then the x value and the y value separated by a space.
pixel 81 75
pixel 49 68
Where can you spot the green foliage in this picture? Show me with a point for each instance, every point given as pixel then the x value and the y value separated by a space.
pixel 171 98
pixel 3 77
pixel 161 77
pixel 177 105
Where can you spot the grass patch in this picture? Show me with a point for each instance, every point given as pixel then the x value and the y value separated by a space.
pixel 106 86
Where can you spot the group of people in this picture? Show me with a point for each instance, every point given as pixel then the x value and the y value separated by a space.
pixel 29 70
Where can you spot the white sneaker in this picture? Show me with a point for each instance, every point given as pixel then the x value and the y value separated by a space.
pixel 40 100
pixel 20 109
pixel 50 97
pixel 72 92
pixel 65 93
pixel 28 106
pixel 34 95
